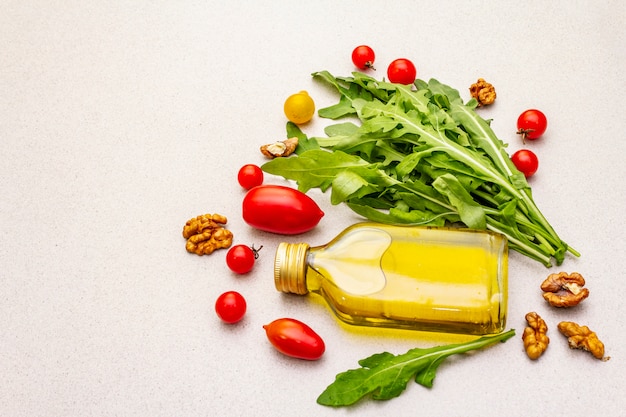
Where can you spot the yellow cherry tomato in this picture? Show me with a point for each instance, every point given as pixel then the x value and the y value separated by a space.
pixel 299 108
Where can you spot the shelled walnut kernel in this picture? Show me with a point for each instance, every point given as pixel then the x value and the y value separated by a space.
pixel 483 92
pixel 281 148
pixel 206 233
pixel 535 336
pixel 564 290
pixel 581 337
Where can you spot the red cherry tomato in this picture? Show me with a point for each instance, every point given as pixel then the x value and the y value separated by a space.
pixel 293 338
pixel 401 71
pixel 526 162
pixel 230 307
pixel 363 57
pixel 531 124
pixel 279 209
pixel 240 258
pixel 250 176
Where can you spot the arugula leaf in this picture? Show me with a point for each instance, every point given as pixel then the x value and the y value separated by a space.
pixel 385 376
pixel 397 216
pixel 419 155
pixel 304 142
pixel 471 213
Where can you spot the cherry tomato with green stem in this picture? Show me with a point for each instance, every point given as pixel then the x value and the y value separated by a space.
pixel 531 124
pixel 526 162
pixel 293 338
pixel 250 176
pixel 240 258
pixel 230 307
pixel 401 71
pixel 363 57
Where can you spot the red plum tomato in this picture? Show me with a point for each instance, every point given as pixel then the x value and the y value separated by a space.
pixel 531 124
pixel 293 338
pixel 401 71
pixel 279 209
pixel 230 307
pixel 363 57
pixel 250 176
pixel 526 162
pixel 240 258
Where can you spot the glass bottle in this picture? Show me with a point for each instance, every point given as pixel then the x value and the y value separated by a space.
pixel 410 277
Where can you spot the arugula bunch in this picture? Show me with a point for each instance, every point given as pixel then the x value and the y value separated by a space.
pixel 386 376
pixel 418 155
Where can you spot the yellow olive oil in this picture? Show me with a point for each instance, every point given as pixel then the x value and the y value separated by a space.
pixel 421 278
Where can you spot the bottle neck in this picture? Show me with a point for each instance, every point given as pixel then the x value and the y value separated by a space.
pixel 290 268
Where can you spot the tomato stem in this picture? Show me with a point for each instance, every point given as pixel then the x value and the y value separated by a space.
pixel 256 251
pixel 524 133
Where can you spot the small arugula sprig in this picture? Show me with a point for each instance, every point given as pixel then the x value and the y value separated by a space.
pixel 385 376
pixel 419 156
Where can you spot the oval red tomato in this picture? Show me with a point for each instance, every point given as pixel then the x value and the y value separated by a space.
pixel 401 71
pixel 293 338
pixel 526 162
pixel 279 209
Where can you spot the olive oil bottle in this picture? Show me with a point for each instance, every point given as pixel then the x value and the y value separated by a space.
pixel 422 278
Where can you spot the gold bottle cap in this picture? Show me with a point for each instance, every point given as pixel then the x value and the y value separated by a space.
pixel 290 268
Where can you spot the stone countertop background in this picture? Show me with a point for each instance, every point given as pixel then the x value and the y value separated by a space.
pixel 121 120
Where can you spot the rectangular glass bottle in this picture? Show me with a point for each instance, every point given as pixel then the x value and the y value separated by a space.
pixel 422 278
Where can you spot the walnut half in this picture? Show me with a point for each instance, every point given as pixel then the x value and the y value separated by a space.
pixel 483 92
pixel 564 290
pixel 581 337
pixel 535 336
pixel 281 148
pixel 206 233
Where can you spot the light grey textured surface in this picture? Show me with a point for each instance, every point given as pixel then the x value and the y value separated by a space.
pixel 121 120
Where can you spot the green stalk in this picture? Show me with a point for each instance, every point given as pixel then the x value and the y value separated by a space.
pixel 520 246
